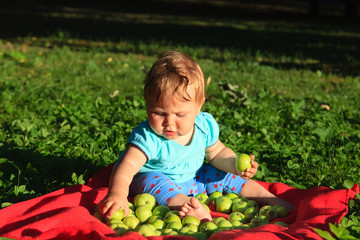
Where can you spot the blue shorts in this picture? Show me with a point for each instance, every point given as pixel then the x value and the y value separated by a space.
pixel 208 180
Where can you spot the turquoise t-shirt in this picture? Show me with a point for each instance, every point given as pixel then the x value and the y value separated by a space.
pixel 180 163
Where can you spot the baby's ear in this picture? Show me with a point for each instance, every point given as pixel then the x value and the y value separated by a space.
pixel 201 103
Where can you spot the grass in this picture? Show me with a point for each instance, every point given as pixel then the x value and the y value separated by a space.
pixel 282 88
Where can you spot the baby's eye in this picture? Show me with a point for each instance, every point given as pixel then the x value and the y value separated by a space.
pixel 159 113
pixel 180 115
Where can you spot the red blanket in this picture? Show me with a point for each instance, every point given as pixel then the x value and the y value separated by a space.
pixel 67 214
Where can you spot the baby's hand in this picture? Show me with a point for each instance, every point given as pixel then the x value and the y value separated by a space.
pixel 111 203
pixel 250 172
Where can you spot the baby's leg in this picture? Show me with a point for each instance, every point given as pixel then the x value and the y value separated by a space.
pixel 157 184
pixel 167 192
pixel 189 206
pixel 255 191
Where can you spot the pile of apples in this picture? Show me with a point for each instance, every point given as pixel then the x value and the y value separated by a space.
pixel 150 220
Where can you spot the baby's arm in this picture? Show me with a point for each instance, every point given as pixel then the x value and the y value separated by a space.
pixel 249 172
pixel 130 163
pixel 224 158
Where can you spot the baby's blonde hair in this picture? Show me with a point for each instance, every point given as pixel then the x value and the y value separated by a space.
pixel 171 74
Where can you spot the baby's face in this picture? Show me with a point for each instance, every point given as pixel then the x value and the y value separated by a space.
pixel 173 117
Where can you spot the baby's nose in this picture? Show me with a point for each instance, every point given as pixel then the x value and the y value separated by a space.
pixel 169 121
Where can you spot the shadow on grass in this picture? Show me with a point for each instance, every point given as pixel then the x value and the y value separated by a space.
pixel 40 173
pixel 330 43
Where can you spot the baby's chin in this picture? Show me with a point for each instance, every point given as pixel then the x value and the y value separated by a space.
pixel 170 137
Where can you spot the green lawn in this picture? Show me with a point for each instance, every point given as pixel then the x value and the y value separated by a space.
pixel 283 87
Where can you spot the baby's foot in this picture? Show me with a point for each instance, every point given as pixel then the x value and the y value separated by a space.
pixel 195 208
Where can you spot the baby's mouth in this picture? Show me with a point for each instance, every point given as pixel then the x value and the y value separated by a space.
pixel 170 133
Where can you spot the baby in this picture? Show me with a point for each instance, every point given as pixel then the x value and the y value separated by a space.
pixel 165 154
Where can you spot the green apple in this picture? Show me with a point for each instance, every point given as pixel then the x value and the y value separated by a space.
pixel 243 226
pixel 239 207
pixel 203 198
pixel 208 227
pixel 282 211
pixel 153 218
pixel 237 216
pixel 119 214
pixel 281 223
pixel 190 219
pixel 118 224
pixel 131 221
pixel 120 228
pixel 192 226
pixel 168 231
pixel 217 220
pixel 160 210
pixel 244 199
pixel 97 213
pixel 131 206
pixel 231 195
pixel 252 203
pixel 114 221
pixel 131 212
pixel 184 230
pixel 224 224
pixel 171 217
pixel 214 196
pixel 223 204
pixel 243 161
pixel 176 212
pixel 144 199
pixel 146 230
pixel 158 224
pixel 175 225
pixel 259 220
pixel 272 214
pixel 143 213
pixel 250 213
pixel 235 223
pixel 235 200
pixel 264 209
pixel 269 212
pixel 197 235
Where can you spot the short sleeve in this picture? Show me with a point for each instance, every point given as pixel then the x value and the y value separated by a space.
pixel 207 123
pixel 143 138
